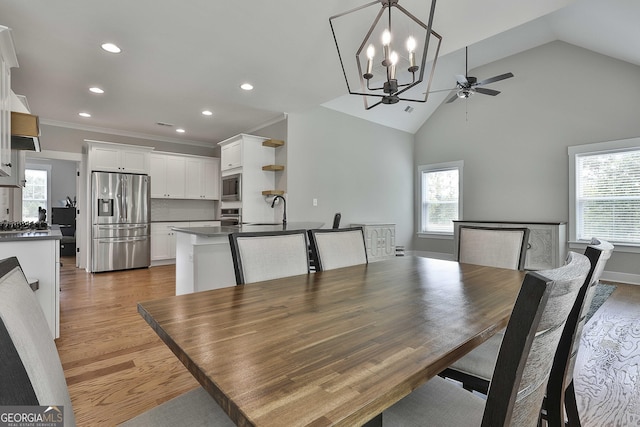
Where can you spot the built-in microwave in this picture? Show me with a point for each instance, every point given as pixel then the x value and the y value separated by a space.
pixel 232 187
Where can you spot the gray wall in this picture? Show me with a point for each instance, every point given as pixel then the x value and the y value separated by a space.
pixel 514 146
pixel 363 170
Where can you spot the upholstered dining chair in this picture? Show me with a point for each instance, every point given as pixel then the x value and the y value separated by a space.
pixel 493 246
pixel 476 368
pixel 335 248
pixel 525 358
pixel 31 372
pixel 269 255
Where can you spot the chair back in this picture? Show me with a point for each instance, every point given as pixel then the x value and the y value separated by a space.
pixel 336 220
pixel 269 255
pixel 30 372
pixel 336 248
pixel 493 246
pixel 524 362
pixel 598 252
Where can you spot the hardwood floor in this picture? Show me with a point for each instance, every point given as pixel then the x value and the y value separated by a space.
pixel 116 367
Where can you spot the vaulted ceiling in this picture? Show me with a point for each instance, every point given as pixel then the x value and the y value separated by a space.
pixel 180 58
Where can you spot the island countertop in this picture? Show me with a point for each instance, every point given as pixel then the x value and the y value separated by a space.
pixel 226 230
pixel 27 235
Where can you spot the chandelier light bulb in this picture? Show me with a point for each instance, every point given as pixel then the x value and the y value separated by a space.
pixel 371 52
pixel 411 44
pixel 394 60
pixel 411 47
pixel 386 38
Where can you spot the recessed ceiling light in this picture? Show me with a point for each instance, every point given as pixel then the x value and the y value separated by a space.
pixel 112 48
pixel 84 114
pixel 246 86
pixel 180 130
pixel 207 113
pixel 96 90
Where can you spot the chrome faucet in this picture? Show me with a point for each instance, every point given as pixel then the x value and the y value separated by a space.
pixel 284 210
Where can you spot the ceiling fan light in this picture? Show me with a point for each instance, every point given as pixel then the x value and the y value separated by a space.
pixel 465 93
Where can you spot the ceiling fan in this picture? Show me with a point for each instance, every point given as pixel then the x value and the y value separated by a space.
pixel 467 85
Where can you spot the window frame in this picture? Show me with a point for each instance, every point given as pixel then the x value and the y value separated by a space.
pixel 438 167
pixel 47 169
pixel 622 145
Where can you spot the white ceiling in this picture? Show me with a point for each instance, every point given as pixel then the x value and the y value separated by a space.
pixel 182 57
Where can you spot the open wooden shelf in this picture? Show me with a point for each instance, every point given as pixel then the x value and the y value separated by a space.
pixel 272 193
pixel 273 168
pixel 275 143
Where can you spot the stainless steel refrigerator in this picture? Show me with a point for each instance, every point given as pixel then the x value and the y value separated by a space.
pixel 120 221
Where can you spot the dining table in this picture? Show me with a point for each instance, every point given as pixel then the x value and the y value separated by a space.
pixel 336 347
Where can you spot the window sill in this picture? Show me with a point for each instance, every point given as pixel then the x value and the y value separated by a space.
pixel 618 247
pixel 443 236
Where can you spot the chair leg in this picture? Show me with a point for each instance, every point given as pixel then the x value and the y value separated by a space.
pixel 571 406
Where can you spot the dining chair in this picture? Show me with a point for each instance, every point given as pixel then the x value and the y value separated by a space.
pixel 269 255
pixel 31 372
pixel 561 395
pixel 525 358
pixel 493 246
pixel 475 369
pixel 335 248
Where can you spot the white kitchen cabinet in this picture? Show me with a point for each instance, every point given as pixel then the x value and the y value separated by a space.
pixel 167 176
pixel 547 241
pixel 231 155
pixel 163 240
pixel 110 157
pixel 40 260
pixel 202 178
pixel 380 240
pixel 16 179
pixel 8 60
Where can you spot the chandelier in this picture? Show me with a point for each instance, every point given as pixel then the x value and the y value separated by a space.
pixel 385 71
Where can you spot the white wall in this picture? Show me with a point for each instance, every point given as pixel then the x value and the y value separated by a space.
pixel 514 145
pixel 363 170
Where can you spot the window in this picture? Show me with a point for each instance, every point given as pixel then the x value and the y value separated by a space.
pixel 440 197
pixel 605 192
pixel 35 193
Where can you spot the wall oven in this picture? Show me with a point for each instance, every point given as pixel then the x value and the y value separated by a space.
pixel 232 187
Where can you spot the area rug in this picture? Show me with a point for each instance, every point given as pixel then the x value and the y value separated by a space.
pixel 603 291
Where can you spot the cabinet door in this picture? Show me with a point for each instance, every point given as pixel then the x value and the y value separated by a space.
pixel 175 179
pixel 163 241
pixel 231 155
pixel 194 179
pixel 211 182
pixel 158 172
pixel 133 161
pixel 105 159
pixel 5 118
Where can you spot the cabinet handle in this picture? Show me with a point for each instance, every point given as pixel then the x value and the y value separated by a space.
pixel 8 164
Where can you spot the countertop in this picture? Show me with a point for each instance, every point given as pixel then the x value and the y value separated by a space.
pixel 244 228
pixel 23 236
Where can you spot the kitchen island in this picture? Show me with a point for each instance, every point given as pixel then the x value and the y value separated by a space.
pixel 38 252
pixel 203 254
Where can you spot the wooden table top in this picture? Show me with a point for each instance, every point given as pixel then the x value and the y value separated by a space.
pixel 334 347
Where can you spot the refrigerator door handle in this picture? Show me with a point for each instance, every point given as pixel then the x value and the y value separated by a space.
pixel 121 227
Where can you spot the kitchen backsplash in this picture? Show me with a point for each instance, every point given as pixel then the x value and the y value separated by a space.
pixel 183 210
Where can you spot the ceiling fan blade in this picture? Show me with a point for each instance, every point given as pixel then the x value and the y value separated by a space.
pixel 462 79
pixel 486 91
pixel 495 79
pixel 453 98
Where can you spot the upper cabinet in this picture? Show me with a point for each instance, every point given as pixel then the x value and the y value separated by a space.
pixel 111 157
pixel 167 176
pixel 8 60
pixel 231 155
pixel 202 178
pixel 176 176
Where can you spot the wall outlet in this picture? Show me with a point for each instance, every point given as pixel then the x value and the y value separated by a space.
pixel 315 202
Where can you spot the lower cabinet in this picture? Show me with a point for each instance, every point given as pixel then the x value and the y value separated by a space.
pixel 380 239
pixel 547 241
pixel 163 238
